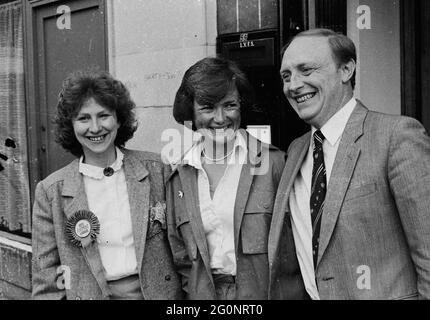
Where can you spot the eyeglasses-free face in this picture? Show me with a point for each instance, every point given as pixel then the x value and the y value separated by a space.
pixel 313 82
pixel 221 119
pixel 95 128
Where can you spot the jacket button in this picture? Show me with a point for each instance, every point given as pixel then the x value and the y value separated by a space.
pixel 167 278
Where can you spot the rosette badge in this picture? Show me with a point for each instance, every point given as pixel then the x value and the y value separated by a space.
pixel 82 228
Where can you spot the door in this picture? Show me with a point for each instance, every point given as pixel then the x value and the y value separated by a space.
pixel 67 36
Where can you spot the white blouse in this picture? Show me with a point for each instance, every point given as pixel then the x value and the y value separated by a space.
pixel 108 200
pixel 218 212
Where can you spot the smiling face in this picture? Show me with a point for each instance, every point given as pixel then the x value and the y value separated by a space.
pixel 314 84
pixel 96 128
pixel 221 119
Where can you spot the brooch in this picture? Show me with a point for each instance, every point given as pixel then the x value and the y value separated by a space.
pixel 108 171
pixel 158 213
pixel 82 228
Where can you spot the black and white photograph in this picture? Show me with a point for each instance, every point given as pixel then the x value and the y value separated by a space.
pixel 214 155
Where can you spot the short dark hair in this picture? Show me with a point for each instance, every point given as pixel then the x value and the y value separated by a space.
pixel 110 93
pixel 207 82
pixel 342 47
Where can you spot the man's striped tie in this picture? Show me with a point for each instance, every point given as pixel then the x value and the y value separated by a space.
pixel 318 191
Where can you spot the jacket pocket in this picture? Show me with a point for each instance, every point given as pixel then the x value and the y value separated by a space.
pixel 360 191
pixel 185 231
pixel 255 232
pixel 260 202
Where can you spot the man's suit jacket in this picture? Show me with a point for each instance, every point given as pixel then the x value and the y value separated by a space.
pixel 375 229
pixel 62 194
pixel 252 215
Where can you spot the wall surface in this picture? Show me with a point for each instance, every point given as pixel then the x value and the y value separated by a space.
pixel 378 49
pixel 152 43
pixel 15 270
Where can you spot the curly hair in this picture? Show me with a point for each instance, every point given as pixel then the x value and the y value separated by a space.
pixel 80 86
pixel 207 82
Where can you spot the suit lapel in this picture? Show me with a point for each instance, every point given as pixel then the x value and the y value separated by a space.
pixel 74 189
pixel 188 177
pixel 294 161
pixel 138 189
pixel 343 168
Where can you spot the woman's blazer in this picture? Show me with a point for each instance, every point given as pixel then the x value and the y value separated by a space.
pixel 63 270
pixel 252 217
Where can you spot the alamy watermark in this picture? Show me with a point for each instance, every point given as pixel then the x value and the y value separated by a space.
pixel 64 277
pixel 364 278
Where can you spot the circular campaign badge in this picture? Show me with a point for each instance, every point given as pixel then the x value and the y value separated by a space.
pixel 82 228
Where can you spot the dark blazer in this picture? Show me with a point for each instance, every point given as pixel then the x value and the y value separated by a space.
pixel 61 194
pixel 252 216
pixel 375 228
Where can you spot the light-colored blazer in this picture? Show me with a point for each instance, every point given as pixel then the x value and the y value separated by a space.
pixel 375 229
pixel 252 215
pixel 62 194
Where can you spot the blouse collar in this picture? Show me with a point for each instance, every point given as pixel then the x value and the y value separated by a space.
pixel 97 172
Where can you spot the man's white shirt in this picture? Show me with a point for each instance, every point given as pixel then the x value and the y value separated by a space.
pixel 299 198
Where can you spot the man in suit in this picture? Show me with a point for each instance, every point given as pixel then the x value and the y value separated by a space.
pixel 352 211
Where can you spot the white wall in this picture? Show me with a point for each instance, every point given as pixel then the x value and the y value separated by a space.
pixel 378 48
pixel 151 44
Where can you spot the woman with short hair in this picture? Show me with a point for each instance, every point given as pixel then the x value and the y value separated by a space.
pixel 220 197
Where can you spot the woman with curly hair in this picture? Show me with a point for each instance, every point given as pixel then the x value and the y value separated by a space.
pixel 99 228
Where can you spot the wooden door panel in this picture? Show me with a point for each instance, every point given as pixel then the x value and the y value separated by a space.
pixel 59 52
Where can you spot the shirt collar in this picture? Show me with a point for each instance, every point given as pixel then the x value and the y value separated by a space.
pixel 334 127
pixel 97 172
pixel 193 156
